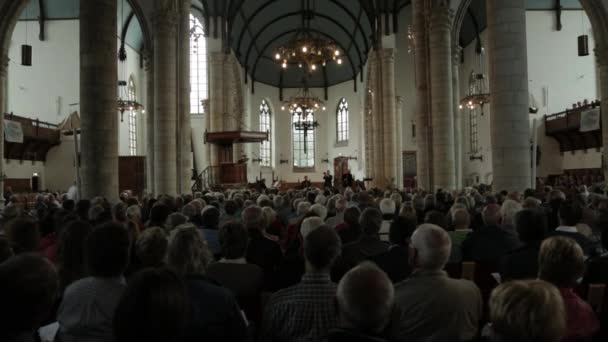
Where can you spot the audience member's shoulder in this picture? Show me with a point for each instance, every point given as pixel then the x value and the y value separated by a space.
pixel 208 286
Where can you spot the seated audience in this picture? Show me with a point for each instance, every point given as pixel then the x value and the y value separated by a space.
pixel 151 248
pixel 23 235
pixel 153 308
pixel 490 243
pixel 365 301
pixel 394 262
pixel 87 309
pixel 561 262
pixel 569 215
pixel 27 293
pixel 309 224
pixel 211 221
pixel 214 312
pixel 461 222
pixel 339 217
pixel 387 207
pixel 306 311
pixel 350 230
pixel 522 263
pixel 71 253
pixel 597 267
pixel 508 210
pixel 432 306
pixel 367 246
pixel 262 250
pixel 527 311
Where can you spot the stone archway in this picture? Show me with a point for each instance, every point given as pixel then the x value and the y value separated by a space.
pixel 597 12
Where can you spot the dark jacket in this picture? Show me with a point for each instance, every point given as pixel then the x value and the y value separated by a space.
pixel 265 253
pixel 344 335
pixel 488 245
pixel 586 245
pixel 356 252
pixel 521 263
pixel 214 313
pixel 394 263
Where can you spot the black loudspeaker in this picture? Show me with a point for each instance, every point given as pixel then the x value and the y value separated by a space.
pixel 583 45
pixel 26 55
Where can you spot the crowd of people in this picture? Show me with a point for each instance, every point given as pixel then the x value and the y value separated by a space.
pixel 304 265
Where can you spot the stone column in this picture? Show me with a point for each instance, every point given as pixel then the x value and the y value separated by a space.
pixel 377 118
pixel 98 99
pixel 440 49
pixel 399 141
pixel 149 67
pixel 602 61
pixel 510 126
pixel 3 83
pixel 216 100
pixel 389 116
pixel 165 100
pixel 458 132
pixel 423 128
pixel 184 138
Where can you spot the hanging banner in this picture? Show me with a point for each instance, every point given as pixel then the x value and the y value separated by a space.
pixel 13 132
pixel 590 120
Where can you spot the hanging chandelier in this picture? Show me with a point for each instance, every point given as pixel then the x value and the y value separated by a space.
pixel 478 95
pixel 305 49
pixel 126 100
pixel 304 99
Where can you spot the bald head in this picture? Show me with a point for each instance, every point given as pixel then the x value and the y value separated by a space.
pixel 432 245
pixel 365 298
pixel 491 215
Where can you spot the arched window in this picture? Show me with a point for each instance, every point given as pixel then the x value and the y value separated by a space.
pixel 198 66
pixel 303 128
pixel 265 126
pixel 342 121
pixel 132 120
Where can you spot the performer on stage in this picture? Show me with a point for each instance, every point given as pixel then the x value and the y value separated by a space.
pixel 347 179
pixel 305 183
pixel 327 179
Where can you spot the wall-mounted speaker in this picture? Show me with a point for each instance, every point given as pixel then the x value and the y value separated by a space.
pixel 26 55
pixel 583 45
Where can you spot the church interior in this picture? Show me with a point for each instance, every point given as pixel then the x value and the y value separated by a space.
pixel 391 119
pixel 303 170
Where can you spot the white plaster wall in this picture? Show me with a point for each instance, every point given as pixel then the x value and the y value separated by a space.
pixel 557 77
pixel 46 89
pixel 325 134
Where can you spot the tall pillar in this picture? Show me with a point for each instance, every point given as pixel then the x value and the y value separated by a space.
pixel 165 100
pixel 377 119
pixel 424 151
pixel 184 138
pixel 149 67
pixel 510 126
pixel 458 132
pixel 216 100
pixel 3 83
pixel 389 115
pixel 440 49
pixel 399 141
pixel 602 60
pixel 98 99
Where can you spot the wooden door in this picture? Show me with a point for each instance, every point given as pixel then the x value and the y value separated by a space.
pixel 132 174
pixel 226 154
pixel 409 169
pixel 340 168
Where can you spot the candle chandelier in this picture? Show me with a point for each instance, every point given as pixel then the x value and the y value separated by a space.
pixel 305 49
pixel 304 99
pixel 478 95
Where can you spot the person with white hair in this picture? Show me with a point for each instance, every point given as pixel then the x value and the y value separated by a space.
pixel 432 306
pixel 321 199
pixel 365 301
pixel 309 224
pixel 320 210
pixel 387 207
pixel 507 211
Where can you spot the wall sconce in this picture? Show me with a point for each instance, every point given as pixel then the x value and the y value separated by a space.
pixel 256 160
pixel 283 161
pixel 326 161
pixel 474 157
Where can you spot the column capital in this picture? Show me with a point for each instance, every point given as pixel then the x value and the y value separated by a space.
pixel 148 60
pixel 456 53
pixel 4 65
pixel 164 18
pixel 399 101
pixel 387 55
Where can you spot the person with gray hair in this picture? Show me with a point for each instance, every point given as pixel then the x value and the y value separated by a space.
pixel 214 312
pixel 306 311
pixel 174 220
pixel 320 210
pixel 388 208
pixel 339 217
pixel 433 307
pixel 365 301
pixel 309 224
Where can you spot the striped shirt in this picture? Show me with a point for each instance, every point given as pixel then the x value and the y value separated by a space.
pixel 303 312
